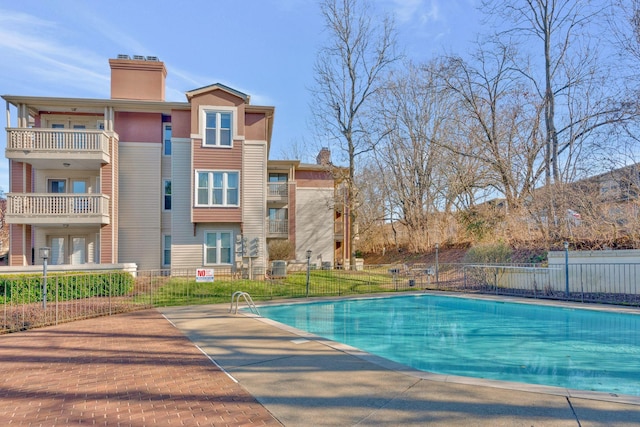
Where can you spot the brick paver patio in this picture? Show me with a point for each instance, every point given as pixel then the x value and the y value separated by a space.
pixel 131 369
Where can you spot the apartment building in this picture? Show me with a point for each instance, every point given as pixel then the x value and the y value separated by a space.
pixel 306 205
pixel 180 185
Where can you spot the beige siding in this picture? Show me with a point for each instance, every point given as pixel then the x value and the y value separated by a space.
pixel 314 224
pixel 186 250
pixel 254 198
pixel 139 205
pixel 166 174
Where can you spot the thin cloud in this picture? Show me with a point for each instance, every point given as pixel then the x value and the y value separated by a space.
pixel 117 37
pixel 423 11
pixel 39 43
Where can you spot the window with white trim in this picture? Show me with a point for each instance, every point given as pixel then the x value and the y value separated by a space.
pixel 166 192
pixel 217 129
pixel 217 188
pixel 218 247
pixel 166 249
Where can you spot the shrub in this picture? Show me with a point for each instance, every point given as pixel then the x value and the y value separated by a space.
pixel 280 250
pixel 23 289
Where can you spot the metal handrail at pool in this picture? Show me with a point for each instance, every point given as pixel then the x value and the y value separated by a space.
pixel 247 298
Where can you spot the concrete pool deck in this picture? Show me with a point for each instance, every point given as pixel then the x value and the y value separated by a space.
pixel 306 381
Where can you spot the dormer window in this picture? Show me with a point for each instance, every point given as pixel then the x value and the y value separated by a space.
pixel 218 129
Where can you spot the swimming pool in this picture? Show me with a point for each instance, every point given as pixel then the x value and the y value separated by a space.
pixel 508 341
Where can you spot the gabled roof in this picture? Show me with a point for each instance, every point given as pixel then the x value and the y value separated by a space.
pixel 218 86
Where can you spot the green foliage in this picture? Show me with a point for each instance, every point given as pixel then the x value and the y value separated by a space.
pixel 22 289
pixel 493 253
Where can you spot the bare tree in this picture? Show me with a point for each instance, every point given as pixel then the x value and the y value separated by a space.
pixel 625 22
pixel 375 212
pixel 349 70
pixel 416 116
pixel 556 25
pixel 578 95
pixel 498 122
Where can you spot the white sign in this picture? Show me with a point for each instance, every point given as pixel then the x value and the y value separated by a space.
pixel 204 275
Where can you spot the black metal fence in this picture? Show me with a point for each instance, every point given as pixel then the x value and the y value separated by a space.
pixel 82 295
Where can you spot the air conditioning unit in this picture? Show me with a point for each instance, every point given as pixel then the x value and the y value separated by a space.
pixel 138 57
pixel 123 56
pixel 152 58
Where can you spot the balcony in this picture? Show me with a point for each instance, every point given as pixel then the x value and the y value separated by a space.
pixel 277 192
pixel 278 228
pixel 49 148
pixel 53 209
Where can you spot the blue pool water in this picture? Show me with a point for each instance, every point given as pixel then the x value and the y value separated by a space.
pixel 572 348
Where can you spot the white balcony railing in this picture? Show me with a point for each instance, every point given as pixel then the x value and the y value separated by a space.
pixel 62 140
pixel 278 226
pixel 24 208
pixel 277 190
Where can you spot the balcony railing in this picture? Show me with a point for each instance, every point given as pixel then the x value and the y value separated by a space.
pixel 23 144
pixel 277 190
pixel 279 226
pixel 57 208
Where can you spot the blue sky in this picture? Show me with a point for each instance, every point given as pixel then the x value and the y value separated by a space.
pixel 264 48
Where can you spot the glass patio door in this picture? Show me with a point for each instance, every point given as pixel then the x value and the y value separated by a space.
pixel 78 254
pixel 57 251
pixel 80 203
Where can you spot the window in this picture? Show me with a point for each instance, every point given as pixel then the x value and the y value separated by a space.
pixel 217 247
pixel 78 250
pixel 277 185
pixel 57 186
pixel 217 132
pixel 57 251
pixel 278 177
pixel 58 137
pixel 166 191
pixel 217 188
pixel 166 139
pixel 166 249
pixel 79 138
pixel 278 220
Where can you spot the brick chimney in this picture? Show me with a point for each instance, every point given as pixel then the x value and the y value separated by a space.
pixel 141 78
pixel 324 157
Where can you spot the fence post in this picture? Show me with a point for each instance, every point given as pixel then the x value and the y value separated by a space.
pixel 437 248
pixel 110 287
pixel 308 268
pixel 566 268
pixel 57 300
